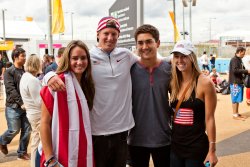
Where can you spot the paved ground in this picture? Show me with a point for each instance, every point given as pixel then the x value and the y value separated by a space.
pixel 233 137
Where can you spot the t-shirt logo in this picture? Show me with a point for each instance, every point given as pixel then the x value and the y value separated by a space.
pixel 184 116
pixel 95 62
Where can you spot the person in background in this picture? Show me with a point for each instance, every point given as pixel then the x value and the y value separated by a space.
pixel 2 67
pixel 45 62
pixel 212 60
pixel 215 76
pixel 65 125
pixel 151 134
pixel 111 116
pixel 15 109
pixel 246 63
pixel 52 64
pixel 30 88
pixel 194 133
pixel 236 75
pixel 204 61
pixel 216 79
pixel 59 54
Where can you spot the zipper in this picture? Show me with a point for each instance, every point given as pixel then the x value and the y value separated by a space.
pixel 111 66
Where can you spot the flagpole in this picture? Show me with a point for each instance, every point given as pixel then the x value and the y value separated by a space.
pixel 50 38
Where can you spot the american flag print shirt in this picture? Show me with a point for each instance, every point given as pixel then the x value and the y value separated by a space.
pixel 184 116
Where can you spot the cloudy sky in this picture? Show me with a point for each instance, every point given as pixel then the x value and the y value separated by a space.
pixel 225 15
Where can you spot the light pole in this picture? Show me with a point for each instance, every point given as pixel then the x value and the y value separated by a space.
pixel 184 2
pixel 50 37
pixel 192 3
pixel 190 16
pixel 210 27
pixel 3 15
pixel 71 22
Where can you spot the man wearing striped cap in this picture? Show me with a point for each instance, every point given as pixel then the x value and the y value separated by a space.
pixel 111 116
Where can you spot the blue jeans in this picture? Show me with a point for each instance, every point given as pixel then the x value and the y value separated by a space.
pixel 177 161
pixel 16 121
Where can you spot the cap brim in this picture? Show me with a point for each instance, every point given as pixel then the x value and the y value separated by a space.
pixel 181 50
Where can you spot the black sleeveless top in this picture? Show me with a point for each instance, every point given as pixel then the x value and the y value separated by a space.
pixel 189 139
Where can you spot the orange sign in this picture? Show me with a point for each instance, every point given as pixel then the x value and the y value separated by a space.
pixel 6 45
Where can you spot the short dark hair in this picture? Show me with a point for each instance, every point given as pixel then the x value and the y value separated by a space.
pixel 147 28
pixel 16 52
pixel 240 49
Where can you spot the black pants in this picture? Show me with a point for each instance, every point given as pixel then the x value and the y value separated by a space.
pixel 140 156
pixel 177 161
pixel 110 150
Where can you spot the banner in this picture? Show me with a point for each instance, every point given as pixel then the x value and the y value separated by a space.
pixel 176 32
pixel 7 45
pixel 57 17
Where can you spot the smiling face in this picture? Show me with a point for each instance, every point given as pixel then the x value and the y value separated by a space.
pixel 147 46
pixel 182 62
pixel 78 61
pixel 107 39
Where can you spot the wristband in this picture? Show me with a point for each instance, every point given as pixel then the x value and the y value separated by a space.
pixel 212 142
pixel 49 161
pixel 54 164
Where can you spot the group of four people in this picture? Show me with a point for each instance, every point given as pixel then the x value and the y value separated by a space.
pixel 131 100
pixel 117 102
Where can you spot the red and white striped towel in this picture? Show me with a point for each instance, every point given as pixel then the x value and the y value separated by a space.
pixel 71 130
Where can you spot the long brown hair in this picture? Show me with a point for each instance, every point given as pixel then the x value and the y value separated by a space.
pixel 87 82
pixel 177 79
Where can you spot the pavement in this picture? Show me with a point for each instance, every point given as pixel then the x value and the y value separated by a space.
pixel 233 136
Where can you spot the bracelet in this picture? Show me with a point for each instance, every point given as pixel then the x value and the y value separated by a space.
pixel 54 164
pixel 49 161
pixel 212 142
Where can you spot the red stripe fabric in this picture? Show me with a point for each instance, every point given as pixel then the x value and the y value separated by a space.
pixel 63 127
pixel 48 99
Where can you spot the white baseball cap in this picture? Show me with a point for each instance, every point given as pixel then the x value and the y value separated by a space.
pixel 184 46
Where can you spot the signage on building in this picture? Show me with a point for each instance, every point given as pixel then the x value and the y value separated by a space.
pixel 6 45
pixel 130 15
pixel 42 45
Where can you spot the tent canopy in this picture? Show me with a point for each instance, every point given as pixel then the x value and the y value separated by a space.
pixel 21 29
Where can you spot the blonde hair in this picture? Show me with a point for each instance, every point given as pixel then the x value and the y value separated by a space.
pixel 33 64
pixel 177 79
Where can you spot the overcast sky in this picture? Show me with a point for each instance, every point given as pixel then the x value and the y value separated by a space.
pixel 227 15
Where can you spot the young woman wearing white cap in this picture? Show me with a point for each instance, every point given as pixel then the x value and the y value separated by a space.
pixel 194 132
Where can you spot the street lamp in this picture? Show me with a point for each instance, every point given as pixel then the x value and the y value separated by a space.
pixel 184 2
pixel 210 27
pixel 71 21
pixel 192 3
pixel 3 10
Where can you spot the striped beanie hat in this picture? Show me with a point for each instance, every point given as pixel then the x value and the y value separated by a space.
pixel 108 22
